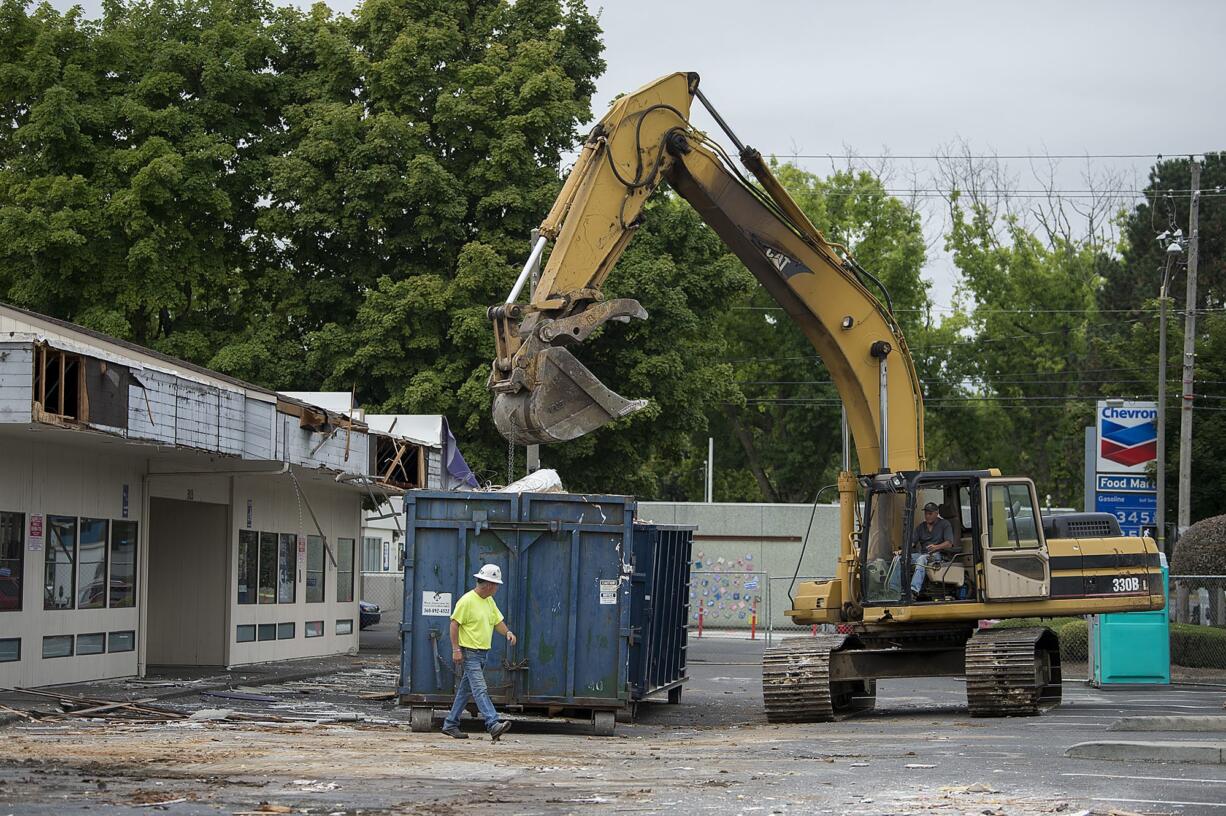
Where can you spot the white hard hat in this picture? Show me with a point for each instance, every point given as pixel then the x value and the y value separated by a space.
pixel 489 572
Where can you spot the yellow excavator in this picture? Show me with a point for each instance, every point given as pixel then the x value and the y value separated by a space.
pixel 893 614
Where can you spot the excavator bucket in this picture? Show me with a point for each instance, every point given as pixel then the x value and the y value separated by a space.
pixel 567 402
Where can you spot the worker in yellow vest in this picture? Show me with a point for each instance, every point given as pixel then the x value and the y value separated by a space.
pixel 473 622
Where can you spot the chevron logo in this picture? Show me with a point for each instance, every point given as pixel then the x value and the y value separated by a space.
pixel 1129 445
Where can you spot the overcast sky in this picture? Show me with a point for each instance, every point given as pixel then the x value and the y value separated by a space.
pixel 908 77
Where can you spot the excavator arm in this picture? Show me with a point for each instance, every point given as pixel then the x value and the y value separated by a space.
pixel 542 393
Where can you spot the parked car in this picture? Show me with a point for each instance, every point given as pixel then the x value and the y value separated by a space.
pixel 370 614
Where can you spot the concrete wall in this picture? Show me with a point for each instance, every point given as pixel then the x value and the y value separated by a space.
pixel 40 477
pixel 59 472
pixel 275 508
pixel 734 540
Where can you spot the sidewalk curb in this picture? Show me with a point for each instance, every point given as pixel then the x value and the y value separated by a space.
pixel 1202 753
pixel 1210 723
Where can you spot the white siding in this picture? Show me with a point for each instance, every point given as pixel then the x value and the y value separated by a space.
pixel 259 435
pixel 231 424
pixel 197 413
pixel 16 382
pixel 151 408
pixel 329 451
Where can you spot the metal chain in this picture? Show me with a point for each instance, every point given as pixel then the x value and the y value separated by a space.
pixel 298 499
pixel 511 458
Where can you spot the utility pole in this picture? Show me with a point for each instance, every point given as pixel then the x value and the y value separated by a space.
pixel 1189 358
pixel 1172 252
pixel 710 491
pixel 534 451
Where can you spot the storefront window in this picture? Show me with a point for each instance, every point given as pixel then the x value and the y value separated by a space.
pixel 59 575
pixel 287 568
pixel 268 568
pixel 12 564
pixel 315 569
pixel 248 565
pixel 123 564
pixel 91 563
pixel 344 570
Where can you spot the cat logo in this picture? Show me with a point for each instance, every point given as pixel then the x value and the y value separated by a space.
pixel 784 264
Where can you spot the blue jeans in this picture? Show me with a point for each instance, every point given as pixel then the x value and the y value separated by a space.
pixel 472 684
pixel 917 579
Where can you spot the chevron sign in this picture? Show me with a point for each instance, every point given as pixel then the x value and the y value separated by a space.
pixel 1127 436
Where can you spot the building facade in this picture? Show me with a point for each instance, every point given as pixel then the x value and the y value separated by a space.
pixel 153 512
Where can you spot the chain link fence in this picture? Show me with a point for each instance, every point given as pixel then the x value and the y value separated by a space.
pixel 1198 627
pixel 387 590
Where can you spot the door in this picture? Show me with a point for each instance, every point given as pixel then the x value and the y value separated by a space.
pixel 188 591
pixel 1015 563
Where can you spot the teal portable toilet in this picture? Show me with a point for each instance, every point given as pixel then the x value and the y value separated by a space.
pixel 1132 648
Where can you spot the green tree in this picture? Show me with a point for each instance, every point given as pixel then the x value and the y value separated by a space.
pixel 130 164
pixel 421 146
pixel 1130 295
pixel 1032 325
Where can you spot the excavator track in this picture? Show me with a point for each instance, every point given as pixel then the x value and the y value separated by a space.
pixel 796 683
pixel 1012 672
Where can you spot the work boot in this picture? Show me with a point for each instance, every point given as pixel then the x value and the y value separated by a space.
pixel 455 733
pixel 501 727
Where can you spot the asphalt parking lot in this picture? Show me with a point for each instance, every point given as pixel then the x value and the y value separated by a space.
pixel 918 752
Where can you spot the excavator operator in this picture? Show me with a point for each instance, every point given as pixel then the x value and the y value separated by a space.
pixel 931 541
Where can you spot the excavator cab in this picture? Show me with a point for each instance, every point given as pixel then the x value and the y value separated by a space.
pixel 998 551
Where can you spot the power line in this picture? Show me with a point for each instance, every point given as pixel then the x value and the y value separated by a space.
pixel 976 310
pixel 1011 156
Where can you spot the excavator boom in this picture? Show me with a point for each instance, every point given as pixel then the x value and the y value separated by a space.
pixel 542 393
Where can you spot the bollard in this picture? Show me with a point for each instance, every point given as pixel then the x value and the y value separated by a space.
pixel 814 632
pixel 753 622
pixel 700 621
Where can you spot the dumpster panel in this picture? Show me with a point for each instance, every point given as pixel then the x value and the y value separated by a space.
pixel 660 607
pixel 563 558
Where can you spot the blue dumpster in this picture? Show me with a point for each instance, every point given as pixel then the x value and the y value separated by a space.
pixel 571 593
pixel 1132 648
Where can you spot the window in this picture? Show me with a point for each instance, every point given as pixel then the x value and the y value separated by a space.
pixel 1011 517
pixel 123 564
pixel 285 631
pixel 310 629
pixel 91 644
pixel 58 380
pixel 315 570
pixel 121 641
pixel 372 554
pixel 267 631
pixel 91 564
pixel 248 565
pixel 244 633
pixel 10 650
pixel 12 563
pixel 59 585
pixel 268 568
pixel 287 568
pixel 344 627
pixel 57 646
pixel 344 570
